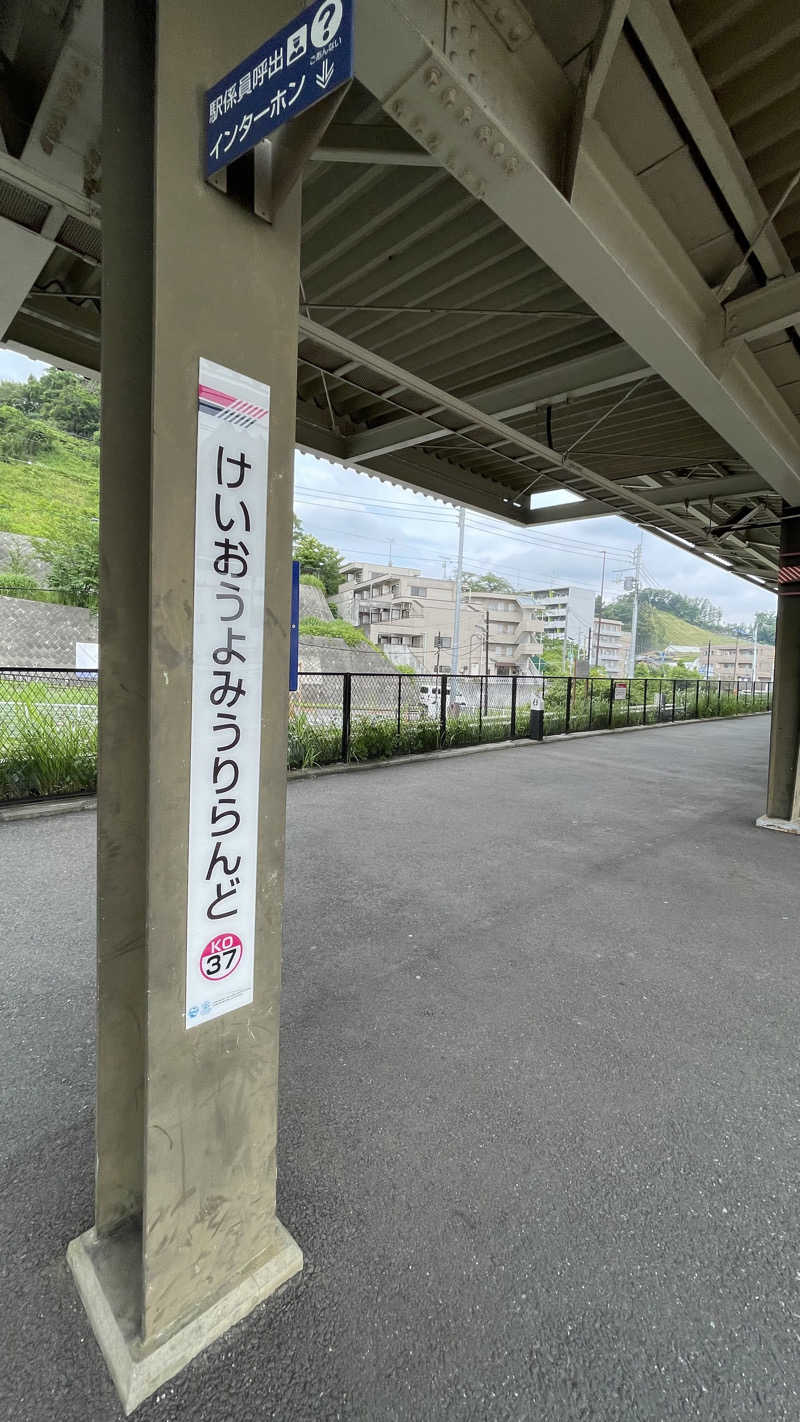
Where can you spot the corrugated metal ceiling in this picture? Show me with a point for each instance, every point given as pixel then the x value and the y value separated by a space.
pixel 406 263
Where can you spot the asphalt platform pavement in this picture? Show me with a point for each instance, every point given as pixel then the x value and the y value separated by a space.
pixel 538 1099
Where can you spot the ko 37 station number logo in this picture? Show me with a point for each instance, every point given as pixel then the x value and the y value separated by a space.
pixel 221 956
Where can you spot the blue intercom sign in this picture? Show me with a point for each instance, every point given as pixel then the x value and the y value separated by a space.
pixel 306 60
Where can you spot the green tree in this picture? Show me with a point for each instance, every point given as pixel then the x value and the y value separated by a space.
pixel 319 559
pixel 62 398
pixel 552 656
pixel 621 609
pixel 20 436
pixel 765 622
pixel 680 672
pixel 485 582
pixel 74 559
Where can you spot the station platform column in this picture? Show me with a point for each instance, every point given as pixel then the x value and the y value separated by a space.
pixel 783 794
pixel 199 332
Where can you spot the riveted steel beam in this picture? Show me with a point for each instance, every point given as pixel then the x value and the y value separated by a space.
pixel 659 31
pixel 496 120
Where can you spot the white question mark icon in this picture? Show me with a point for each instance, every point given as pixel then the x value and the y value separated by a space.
pixel 326 23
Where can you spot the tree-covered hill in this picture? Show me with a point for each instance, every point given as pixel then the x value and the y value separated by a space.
pixel 49 453
pixel 667 618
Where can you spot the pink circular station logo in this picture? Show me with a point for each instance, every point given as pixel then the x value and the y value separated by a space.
pixel 221 957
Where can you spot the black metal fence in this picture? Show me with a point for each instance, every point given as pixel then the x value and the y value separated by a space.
pixel 343 716
pixel 48 719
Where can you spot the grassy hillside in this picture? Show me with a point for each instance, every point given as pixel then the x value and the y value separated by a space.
pixel 672 629
pixel 37 492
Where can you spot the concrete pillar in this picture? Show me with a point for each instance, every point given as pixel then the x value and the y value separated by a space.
pixel 186 1239
pixel 783 795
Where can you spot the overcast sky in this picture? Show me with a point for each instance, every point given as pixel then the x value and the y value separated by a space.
pixel 363 516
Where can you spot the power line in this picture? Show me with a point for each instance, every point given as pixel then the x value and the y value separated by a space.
pixel 534 542
pixel 330 498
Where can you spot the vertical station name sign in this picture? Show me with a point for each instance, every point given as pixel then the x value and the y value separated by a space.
pixel 227 663
pixel 298 66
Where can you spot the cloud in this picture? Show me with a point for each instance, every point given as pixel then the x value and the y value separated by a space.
pixel 366 518
pixel 14 366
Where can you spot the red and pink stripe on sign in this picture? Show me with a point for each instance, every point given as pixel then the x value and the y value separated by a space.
pixel 228 403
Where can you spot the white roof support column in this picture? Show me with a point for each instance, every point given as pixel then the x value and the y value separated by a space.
pixel 497 118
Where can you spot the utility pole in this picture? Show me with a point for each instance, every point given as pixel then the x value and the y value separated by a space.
pixel 390 541
pixel 736 660
pixel 600 614
pixel 755 653
pixel 454 660
pixel 708 661
pixel 637 574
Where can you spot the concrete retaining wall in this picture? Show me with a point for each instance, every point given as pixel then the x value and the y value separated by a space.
pixel 313 603
pixel 331 654
pixel 42 634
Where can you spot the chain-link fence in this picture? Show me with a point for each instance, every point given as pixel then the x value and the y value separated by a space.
pixel 48 732
pixel 48 719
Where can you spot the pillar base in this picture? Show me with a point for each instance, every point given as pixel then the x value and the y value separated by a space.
pixel 107 1272
pixel 784 826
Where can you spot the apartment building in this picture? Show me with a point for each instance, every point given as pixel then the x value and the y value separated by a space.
pixel 729 662
pixel 515 626
pixel 410 617
pixel 735 662
pixel 614 646
pixel 357 575
pixel 567 612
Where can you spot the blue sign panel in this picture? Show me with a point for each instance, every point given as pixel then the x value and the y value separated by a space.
pixel 297 67
pixel 294 628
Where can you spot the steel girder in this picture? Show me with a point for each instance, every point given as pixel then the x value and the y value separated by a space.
pixel 496 119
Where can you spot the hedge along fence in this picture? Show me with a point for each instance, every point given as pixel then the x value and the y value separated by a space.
pixel 48 719
pixel 48 733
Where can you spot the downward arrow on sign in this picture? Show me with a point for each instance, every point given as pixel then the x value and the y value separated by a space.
pixel 326 74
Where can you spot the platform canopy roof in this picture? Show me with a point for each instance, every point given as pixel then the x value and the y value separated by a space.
pixel 545 247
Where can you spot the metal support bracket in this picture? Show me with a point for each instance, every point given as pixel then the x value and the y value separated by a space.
pixel 437 109
pixel 262 179
pixel 509 19
pixel 590 86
